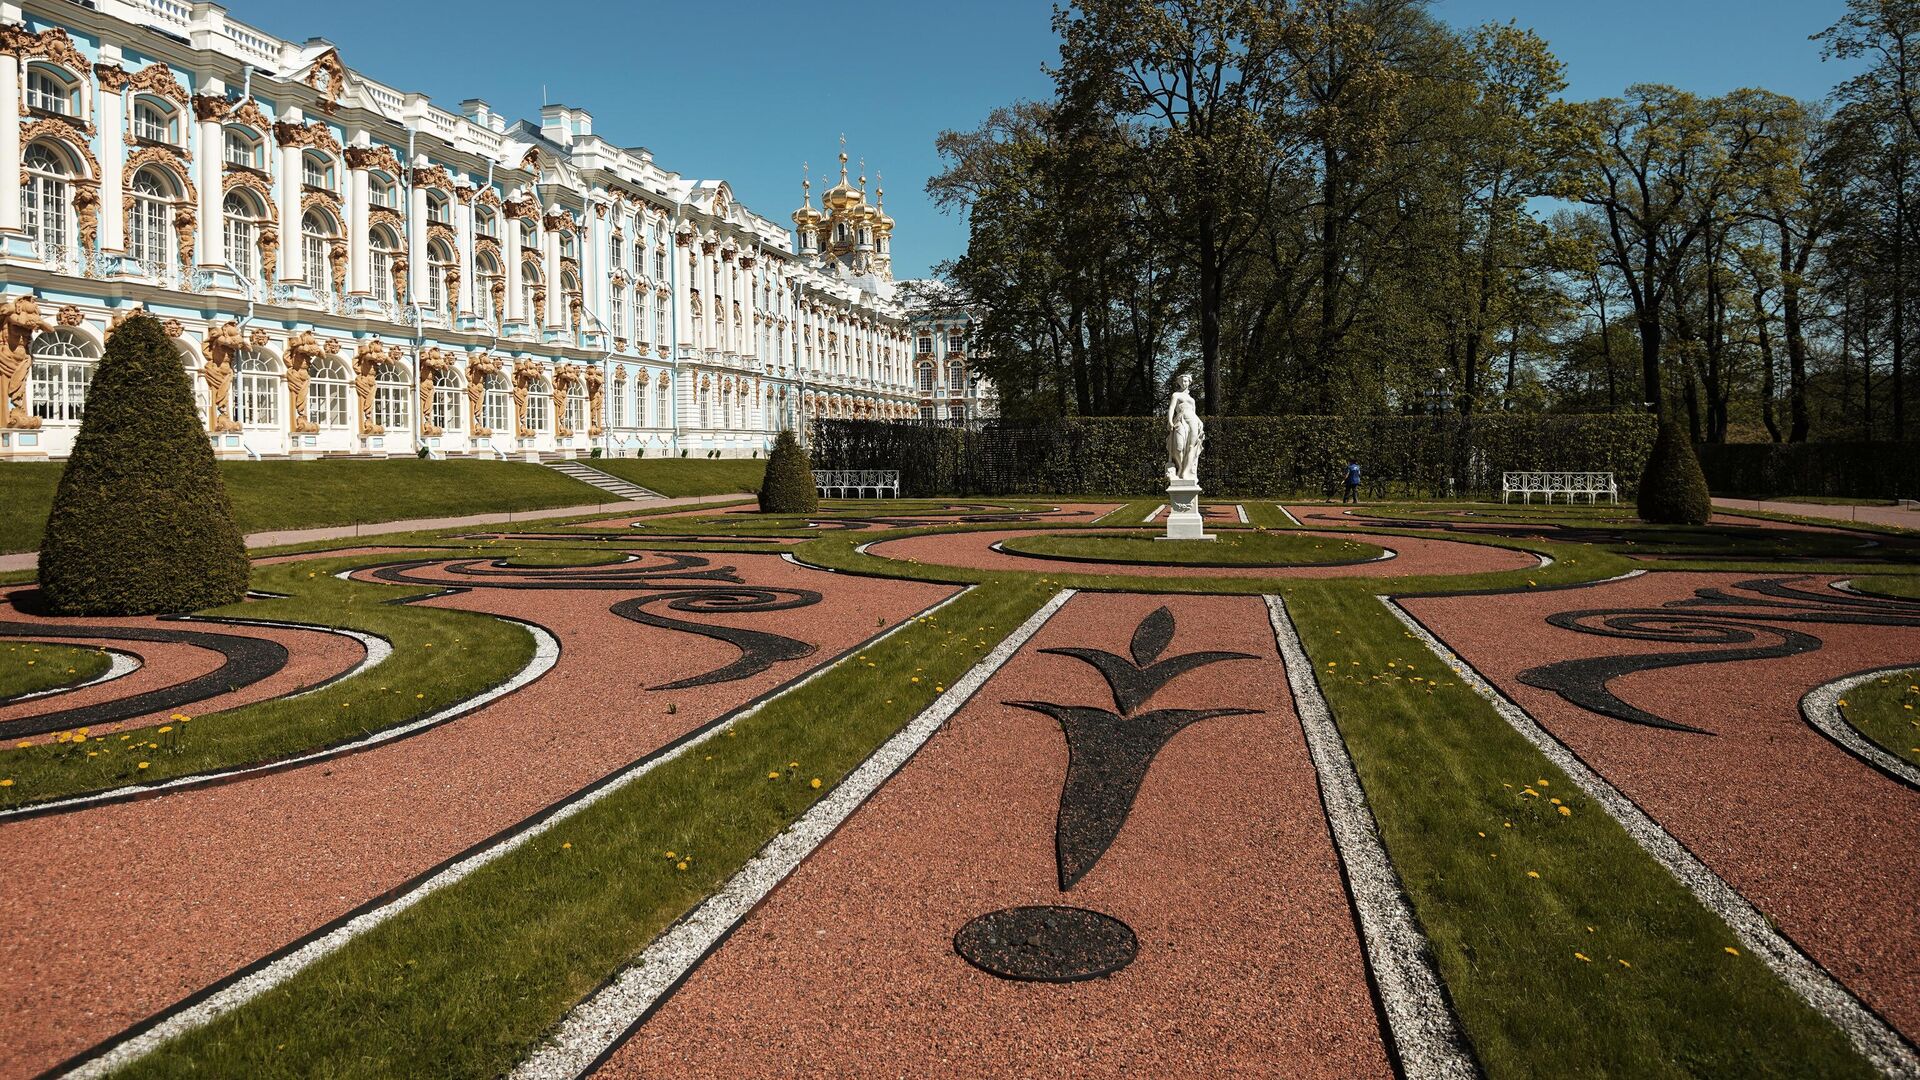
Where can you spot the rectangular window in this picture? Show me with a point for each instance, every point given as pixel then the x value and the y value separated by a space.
pixel 48 94
pixel 314 173
pixel 537 411
pixel 497 408
pixel 390 406
pixel 446 405
pixel 617 308
pixel 327 403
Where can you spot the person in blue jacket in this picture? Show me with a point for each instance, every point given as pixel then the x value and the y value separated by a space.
pixel 1353 483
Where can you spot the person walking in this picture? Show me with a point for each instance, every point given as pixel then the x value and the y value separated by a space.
pixel 1353 483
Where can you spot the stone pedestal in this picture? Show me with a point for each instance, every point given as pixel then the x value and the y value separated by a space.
pixel 25 444
pixel 1183 514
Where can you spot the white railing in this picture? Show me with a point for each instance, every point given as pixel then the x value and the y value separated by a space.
pixel 856 483
pixel 1549 484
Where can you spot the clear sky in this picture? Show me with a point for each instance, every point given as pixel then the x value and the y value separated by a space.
pixel 746 91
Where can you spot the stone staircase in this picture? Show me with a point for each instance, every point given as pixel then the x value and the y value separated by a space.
pixel 606 482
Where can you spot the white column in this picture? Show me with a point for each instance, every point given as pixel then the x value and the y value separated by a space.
pixel 359 256
pixel 681 325
pixel 550 256
pixel 593 278
pixel 293 263
pixel 510 252
pixel 211 249
pixel 463 228
pixel 9 143
pixel 113 156
pixel 417 242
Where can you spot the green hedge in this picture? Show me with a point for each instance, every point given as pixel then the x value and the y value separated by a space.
pixel 1833 470
pixel 1252 456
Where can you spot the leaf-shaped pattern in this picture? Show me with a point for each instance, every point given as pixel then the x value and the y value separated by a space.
pixel 1152 637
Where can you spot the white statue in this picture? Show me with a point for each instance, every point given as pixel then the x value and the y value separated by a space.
pixel 1185 435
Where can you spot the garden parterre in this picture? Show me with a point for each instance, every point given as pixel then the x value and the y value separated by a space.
pixel 484 773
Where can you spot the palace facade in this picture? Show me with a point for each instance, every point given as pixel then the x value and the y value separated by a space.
pixel 347 268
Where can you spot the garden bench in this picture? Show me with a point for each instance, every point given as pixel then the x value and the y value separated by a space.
pixel 856 483
pixel 1548 484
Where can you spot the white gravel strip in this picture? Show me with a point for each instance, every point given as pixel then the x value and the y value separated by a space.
pixel 1290 517
pixel 1870 1035
pixel 601 1022
pixel 119 664
pixel 1821 708
pixel 1148 520
pixel 546 652
pixel 376 648
pixel 240 991
pixel 1241 509
pixel 1425 1033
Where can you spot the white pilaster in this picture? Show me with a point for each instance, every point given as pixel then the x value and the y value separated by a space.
pixel 9 143
pixel 113 156
pixel 463 228
pixel 293 263
pixel 211 249
pixel 359 256
pixel 416 243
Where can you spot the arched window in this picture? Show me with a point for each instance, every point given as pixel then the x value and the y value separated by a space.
pixel 659 319
pixel 437 212
pixel 488 269
pixel 256 401
pixel 154 121
pixel 926 378
pixel 327 392
pixel 449 394
pixel 569 245
pixel 317 234
pixel 617 308
pixel 47 199
pixel 486 222
pixel 527 234
pixel 539 398
pixel 63 363
pixel 383 245
pixel 439 261
pixel 956 378
pixel 51 90
pixel 240 147
pixel 243 213
pixel 569 288
pixel 576 406
pixel 618 406
pixel 382 191
pixel 706 406
pixel 497 406
pixel 149 222
pixel 316 171
pixel 529 281
pixel 390 396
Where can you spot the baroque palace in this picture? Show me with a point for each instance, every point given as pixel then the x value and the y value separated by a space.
pixel 348 269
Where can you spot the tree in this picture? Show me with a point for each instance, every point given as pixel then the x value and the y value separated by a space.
pixel 787 487
pixel 1673 490
pixel 141 523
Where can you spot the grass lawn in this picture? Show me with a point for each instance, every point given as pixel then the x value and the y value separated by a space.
pixel 679 477
pixel 1238 547
pixel 271 495
pixel 1887 710
pixel 29 667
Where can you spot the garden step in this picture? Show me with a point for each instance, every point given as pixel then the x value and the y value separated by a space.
pixel 604 481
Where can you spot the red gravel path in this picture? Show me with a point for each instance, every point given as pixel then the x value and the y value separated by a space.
pixel 132 906
pixel 1825 845
pixel 313 656
pixel 1064 512
pixel 1249 961
pixel 974 551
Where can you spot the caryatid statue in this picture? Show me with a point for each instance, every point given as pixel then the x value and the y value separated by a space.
pixel 1185 435
pixel 223 344
pixel 22 320
pixel 431 362
pixel 302 350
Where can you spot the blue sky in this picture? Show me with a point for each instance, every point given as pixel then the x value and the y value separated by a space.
pixel 747 91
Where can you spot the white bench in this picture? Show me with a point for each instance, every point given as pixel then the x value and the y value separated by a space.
pixel 1548 484
pixel 856 483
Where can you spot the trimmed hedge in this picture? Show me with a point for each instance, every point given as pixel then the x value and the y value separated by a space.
pixel 1886 470
pixel 1672 489
pixel 141 523
pixel 788 487
pixel 1249 456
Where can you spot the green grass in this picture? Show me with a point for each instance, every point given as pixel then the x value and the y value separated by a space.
pixel 466 982
pixel 440 656
pixel 1901 585
pixel 272 495
pixel 1887 710
pixel 1447 780
pixel 30 667
pixel 679 477
pixel 1241 547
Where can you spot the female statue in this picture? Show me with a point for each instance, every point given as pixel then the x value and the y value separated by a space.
pixel 1185 435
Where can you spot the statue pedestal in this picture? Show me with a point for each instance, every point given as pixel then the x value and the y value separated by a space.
pixel 1183 514
pixel 21 444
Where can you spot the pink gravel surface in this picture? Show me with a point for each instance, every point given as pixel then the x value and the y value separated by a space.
pixel 132 906
pixel 1065 512
pixel 312 656
pixel 1823 844
pixel 1249 961
pixel 974 551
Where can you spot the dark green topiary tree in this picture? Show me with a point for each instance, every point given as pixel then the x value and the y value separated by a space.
pixel 1673 490
pixel 141 523
pixel 788 487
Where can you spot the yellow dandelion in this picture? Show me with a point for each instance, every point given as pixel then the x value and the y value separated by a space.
pixel 816 783
pixel 6 783
pixel 681 865
pixel 1533 873
pixel 1731 951
pixel 568 846
pixel 775 775
pixel 1583 958
pixel 1566 812
pixel 143 764
pixel 166 729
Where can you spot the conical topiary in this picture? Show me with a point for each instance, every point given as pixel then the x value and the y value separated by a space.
pixel 141 523
pixel 788 487
pixel 1673 490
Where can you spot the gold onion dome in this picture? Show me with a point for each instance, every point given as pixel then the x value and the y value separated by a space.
pixel 806 214
pixel 842 196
